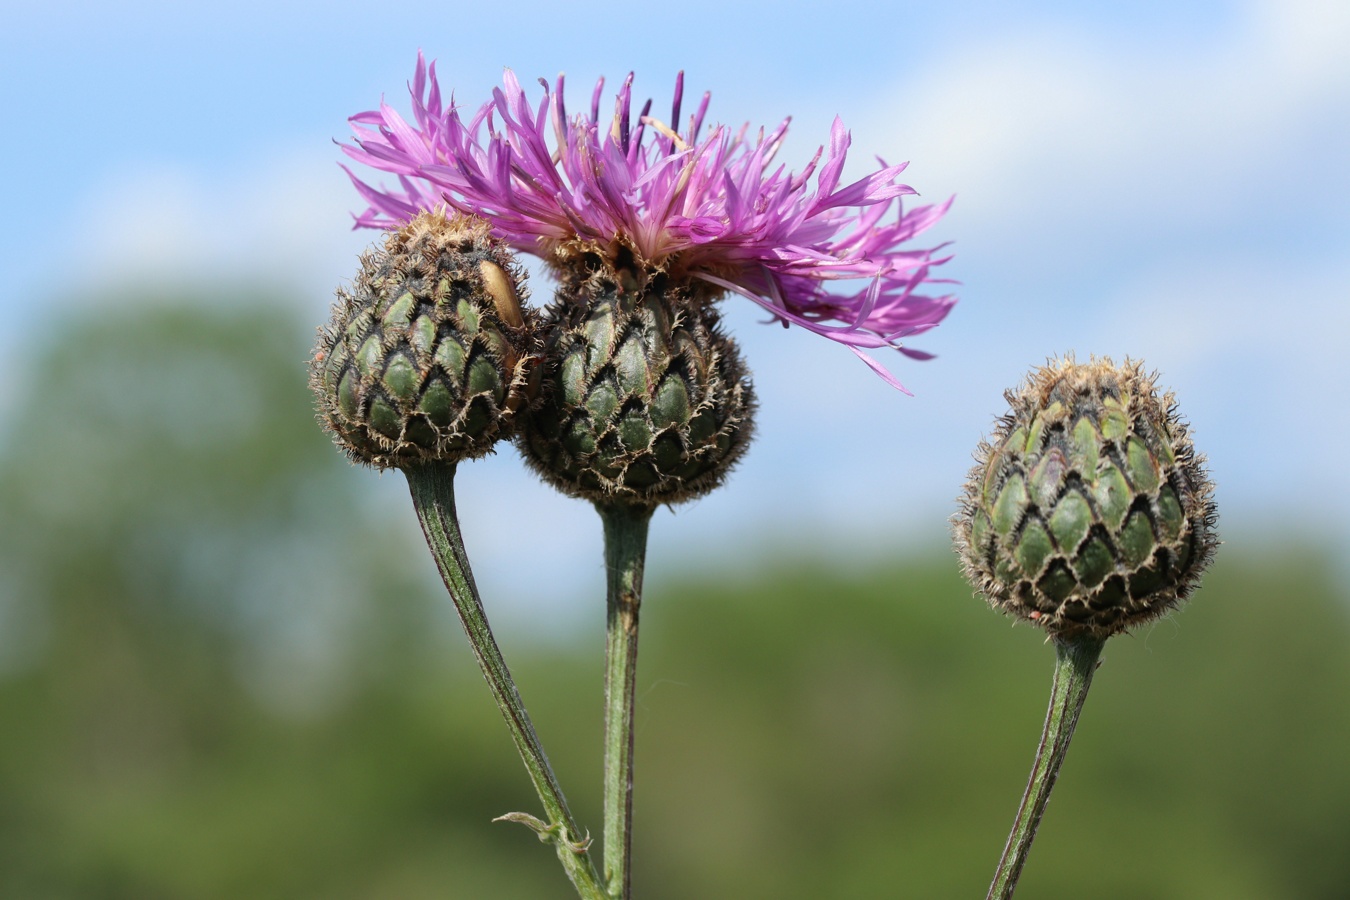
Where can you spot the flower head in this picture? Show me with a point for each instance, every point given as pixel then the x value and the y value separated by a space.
pixel 427 357
pixel 1088 511
pixel 706 205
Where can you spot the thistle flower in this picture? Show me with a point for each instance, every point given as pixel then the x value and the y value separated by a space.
pixel 694 205
pixel 643 399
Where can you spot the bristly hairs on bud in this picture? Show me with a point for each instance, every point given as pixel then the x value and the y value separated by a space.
pixel 427 358
pixel 646 400
pixel 1088 510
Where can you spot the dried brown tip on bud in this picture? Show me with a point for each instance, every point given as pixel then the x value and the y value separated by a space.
pixel 428 354
pixel 1088 511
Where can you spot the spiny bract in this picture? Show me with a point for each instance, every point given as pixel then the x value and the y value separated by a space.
pixel 1088 511
pixel 645 400
pixel 427 356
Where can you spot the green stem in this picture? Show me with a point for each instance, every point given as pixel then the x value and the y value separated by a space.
pixel 625 554
pixel 433 494
pixel 1075 661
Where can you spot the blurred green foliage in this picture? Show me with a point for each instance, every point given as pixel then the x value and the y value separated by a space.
pixel 224 674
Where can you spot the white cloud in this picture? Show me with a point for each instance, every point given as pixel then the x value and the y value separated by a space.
pixel 1056 139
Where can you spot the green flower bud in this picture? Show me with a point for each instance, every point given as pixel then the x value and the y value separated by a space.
pixel 646 401
pixel 427 355
pixel 1088 511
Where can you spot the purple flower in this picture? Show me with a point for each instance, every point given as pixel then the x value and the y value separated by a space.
pixel 707 205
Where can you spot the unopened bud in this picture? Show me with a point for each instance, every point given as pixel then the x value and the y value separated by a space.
pixel 1088 511
pixel 427 356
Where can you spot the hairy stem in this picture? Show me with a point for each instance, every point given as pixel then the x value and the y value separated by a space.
pixel 433 494
pixel 625 554
pixel 1075 662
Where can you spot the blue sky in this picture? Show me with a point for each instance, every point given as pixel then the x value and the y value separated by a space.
pixel 1162 180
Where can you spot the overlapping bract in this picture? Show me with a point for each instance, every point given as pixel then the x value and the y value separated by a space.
pixel 426 357
pixel 712 207
pixel 647 400
pixel 1088 511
